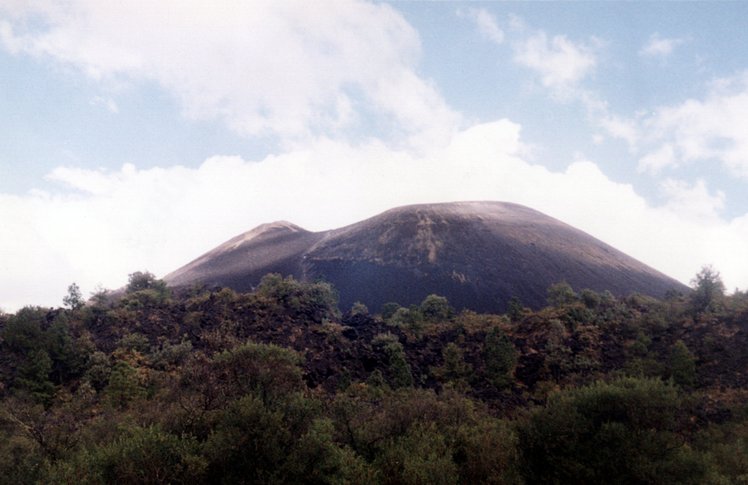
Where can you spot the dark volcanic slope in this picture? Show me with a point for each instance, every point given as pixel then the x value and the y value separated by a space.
pixel 478 254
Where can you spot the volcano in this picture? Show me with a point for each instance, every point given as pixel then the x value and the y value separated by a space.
pixel 477 254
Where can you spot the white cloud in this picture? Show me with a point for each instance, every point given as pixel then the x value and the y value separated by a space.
pixel 710 130
pixel 693 200
pixel 657 160
pixel 290 68
pixel 660 47
pixel 561 63
pixel 159 219
pixel 485 22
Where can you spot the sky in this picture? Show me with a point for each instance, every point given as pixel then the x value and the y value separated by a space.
pixel 135 136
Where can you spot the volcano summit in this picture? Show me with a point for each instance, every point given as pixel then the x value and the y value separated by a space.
pixel 477 254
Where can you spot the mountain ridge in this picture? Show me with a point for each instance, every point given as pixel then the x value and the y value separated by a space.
pixel 478 254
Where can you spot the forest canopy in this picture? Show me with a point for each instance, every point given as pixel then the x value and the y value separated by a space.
pixel 279 385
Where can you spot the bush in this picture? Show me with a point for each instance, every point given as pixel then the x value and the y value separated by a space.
pixel 561 294
pixel 682 365
pixel 316 301
pixel 628 430
pixel 435 308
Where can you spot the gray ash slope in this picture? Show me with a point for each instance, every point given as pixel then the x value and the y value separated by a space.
pixel 477 254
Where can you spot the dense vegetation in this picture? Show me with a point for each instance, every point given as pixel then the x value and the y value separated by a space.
pixel 277 386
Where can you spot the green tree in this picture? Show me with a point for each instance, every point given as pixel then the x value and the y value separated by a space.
pixel 388 309
pixel 398 368
pixel 316 301
pixel 140 455
pixel 359 308
pixel 560 294
pixel 124 386
pixel 420 456
pixel 33 376
pixel 708 290
pixel 143 280
pixel 628 431
pixel 500 357
pixel 435 308
pixel 74 297
pixel 454 368
pixel 682 365
pixel 515 308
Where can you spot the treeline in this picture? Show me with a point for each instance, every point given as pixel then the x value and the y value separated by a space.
pixel 280 386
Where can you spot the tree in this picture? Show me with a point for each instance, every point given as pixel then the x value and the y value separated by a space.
pixel 561 294
pixel 124 386
pixel 628 431
pixel 682 365
pixel 74 298
pixel 708 290
pixel 500 357
pixel 141 280
pixel 33 376
pixel 398 368
pixel 515 308
pixel 454 369
pixel 435 308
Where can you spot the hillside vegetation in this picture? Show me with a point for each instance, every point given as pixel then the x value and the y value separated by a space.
pixel 280 386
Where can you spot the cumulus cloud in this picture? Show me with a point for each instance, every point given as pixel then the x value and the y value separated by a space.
pixel 485 22
pixel 710 130
pixel 660 47
pixel 561 63
pixel 693 200
pixel 264 68
pixel 161 218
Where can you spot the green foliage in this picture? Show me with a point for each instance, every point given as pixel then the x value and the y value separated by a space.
pixel 708 290
pixel 99 370
pixel 388 309
pixel 500 357
pixel 23 331
pixel 398 369
pixel 266 371
pixel 560 294
pixel 74 297
pixel 486 452
pixel 285 443
pixel 144 289
pixel 33 376
pixel 454 368
pixel 627 430
pixel 124 386
pixel 68 355
pixel 435 308
pixel 171 355
pixel 134 342
pixel 140 455
pixel 682 365
pixel 407 318
pixel 515 308
pixel 420 456
pixel 359 308
pixel 590 298
pixel 155 389
pixel 316 301
pixel 143 280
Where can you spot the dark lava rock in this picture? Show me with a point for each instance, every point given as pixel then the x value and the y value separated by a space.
pixel 477 254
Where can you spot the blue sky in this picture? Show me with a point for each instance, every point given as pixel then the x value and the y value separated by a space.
pixel 138 135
